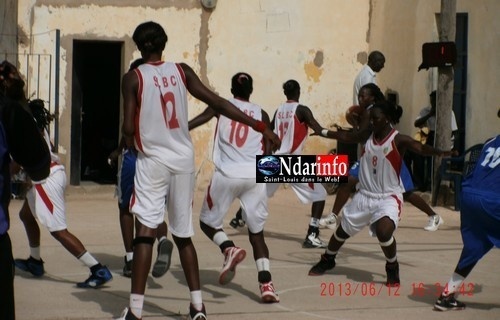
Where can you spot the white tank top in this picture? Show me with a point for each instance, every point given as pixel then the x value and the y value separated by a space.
pixel 380 167
pixel 236 144
pixel 290 130
pixel 161 124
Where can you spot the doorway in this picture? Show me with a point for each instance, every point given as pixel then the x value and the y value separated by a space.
pixel 95 111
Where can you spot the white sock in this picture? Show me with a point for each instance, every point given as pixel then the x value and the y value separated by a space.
pixel 219 238
pixel 35 253
pixel 262 264
pixel 136 304
pixel 454 284
pixel 196 300
pixel 88 260
pixel 314 222
pixel 129 255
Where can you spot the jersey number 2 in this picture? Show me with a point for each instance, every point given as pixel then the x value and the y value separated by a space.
pixel 167 98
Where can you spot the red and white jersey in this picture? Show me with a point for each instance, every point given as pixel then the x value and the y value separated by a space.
pixel 380 167
pixel 236 144
pixel 161 120
pixel 290 130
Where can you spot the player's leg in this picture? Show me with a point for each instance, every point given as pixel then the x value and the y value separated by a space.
pixel 220 194
pixel 34 263
pixel 343 194
pixel 125 187
pixel 313 193
pixel 435 220
pixel 254 200
pixel 384 229
pixel 7 309
pixel 480 229
pixel 179 200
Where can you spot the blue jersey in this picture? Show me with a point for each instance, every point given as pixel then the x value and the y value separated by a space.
pixel 485 178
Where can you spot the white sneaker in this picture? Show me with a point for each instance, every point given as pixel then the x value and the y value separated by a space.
pixel 127 315
pixel 434 222
pixel 329 221
pixel 313 241
pixel 233 256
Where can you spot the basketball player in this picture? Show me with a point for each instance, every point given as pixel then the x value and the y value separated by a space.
pixel 234 177
pixel 369 94
pixel 379 199
pixel 21 141
pixel 291 122
pixel 155 122
pixel 479 218
pixel 124 188
pixel 46 201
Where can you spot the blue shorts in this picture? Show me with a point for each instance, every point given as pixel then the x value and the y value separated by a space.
pixel 405 176
pixel 479 225
pixel 126 178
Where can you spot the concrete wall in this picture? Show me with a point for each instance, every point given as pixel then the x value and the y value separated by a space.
pixel 320 43
pixel 399 28
pixel 8 29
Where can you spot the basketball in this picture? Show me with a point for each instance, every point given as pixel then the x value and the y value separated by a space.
pixel 353 115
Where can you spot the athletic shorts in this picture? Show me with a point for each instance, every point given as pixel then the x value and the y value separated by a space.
pixel 156 187
pixel 405 176
pixel 364 210
pixel 46 200
pixel 126 173
pixel 479 225
pixel 221 193
pixel 306 192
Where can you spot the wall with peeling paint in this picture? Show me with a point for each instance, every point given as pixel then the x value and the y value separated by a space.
pixel 399 28
pixel 320 43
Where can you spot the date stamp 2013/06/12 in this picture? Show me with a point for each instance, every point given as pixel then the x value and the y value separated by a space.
pixel 375 289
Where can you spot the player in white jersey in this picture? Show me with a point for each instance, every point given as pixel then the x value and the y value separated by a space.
pixel 45 200
pixel 235 148
pixel 291 123
pixel 379 199
pixel 155 121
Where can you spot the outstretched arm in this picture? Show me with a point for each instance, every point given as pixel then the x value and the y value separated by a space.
pixel 224 107
pixel 202 118
pixel 304 114
pixel 405 142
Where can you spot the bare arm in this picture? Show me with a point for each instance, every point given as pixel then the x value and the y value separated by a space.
pixel 404 142
pixel 224 107
pixel 304 114
pixel 267 142
pixel 130 85
pixel 420 122
pixel 202 118
pixel 358 135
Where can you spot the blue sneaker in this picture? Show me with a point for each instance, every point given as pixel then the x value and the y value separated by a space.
pixel 31 265
pixel 97 278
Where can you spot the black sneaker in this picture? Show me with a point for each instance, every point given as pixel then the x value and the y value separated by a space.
pixel 235 223
pixel 326 263
pixel 127 268
pixel 163 258
pixel 127 315
pixel 313 241
pixel 31 265
pixel 446 303
pixel 392 270
pixel 197 314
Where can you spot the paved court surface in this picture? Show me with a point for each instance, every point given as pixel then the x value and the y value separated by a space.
pixel 353 290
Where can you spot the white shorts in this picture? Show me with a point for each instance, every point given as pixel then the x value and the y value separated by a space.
pixel 365 210
pixel 306 192
pixel 221 193
pixel 155 186
pixel 46 200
